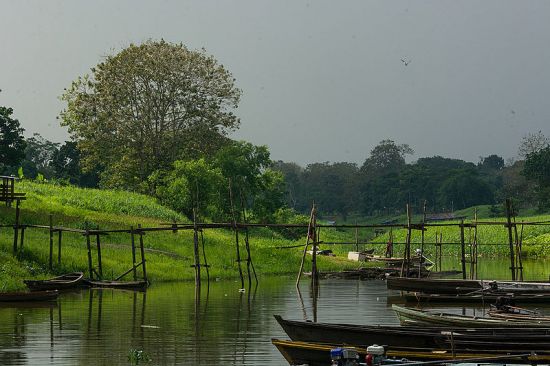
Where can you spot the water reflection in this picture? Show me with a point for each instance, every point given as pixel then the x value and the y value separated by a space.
pixel 177 324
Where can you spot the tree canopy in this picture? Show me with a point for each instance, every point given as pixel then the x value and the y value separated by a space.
pixel 12 142
pixel 148 106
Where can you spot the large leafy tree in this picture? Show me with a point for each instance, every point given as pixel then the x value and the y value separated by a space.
pixel 537 169
pixel 12 142
pixel 148 106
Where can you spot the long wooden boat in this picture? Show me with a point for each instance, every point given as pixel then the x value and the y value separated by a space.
pixel 126 285
pixel 419 337
pixel 409 316
pixel 542 298
pixel 66 281
pixel 28 296
pixel 459 286
pixel 313 354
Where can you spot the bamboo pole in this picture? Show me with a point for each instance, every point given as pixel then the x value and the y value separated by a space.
pixel 306 246
pixel 422 240
pixel 197 264
pixel 59 238
pixel 405 266
pixel 235 227
pixel 462 249
pixel 132 239
pixel 314 272
pixel 88 246
pixel 510 239
pixel 142 250
pixel 51 243
pixel 16 226
pixel 99 259
pixel 22 236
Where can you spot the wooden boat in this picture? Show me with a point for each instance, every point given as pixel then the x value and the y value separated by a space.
pixel 409 316
pixel 419 337
pixel 459 286
pixel 541 298
pixel 313 354
pixel 66 281
pixel 28 296
pixel 126 285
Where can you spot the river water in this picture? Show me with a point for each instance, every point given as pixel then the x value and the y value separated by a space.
pixel 176 325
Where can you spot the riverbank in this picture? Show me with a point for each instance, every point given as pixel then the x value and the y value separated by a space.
pixel 169 255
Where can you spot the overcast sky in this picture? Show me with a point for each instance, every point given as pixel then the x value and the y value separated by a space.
pixel 321 80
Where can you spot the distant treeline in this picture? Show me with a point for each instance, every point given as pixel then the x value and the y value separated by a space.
pixel 385 183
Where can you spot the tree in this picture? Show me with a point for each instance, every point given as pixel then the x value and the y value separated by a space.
pixel 464 188
pixel 39 154
pixel 532 143
pixel 148 106
pixel 537 168
pixel 491 162
pixel 386 156
pixel 65 163
pixel 12 142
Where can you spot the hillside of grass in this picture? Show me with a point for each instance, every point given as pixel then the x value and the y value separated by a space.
pixel 169 255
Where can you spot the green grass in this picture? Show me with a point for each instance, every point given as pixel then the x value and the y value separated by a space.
pixel 169 255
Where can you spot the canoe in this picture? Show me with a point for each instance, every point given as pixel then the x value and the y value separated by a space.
pixel 28 296
pixel 417 337
pixel 313 354
pixel 460 286
pixel 416 317
pixel 126 285
pixel 66 281
pixel 542 298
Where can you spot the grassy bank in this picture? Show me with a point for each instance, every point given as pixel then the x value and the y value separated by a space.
pixel 169 255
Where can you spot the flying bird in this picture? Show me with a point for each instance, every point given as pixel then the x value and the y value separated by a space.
pixel 406 62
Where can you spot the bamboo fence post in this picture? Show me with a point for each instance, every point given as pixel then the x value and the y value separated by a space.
pixel 407 252
pixel 132 239
pixel 510 239
pixel 474 276
pixel 462 249
pixel 249 263
pixel 142 250
pixel 51 243
pixel 314 273
pixel 204 259
pixel 59 236
pixel 16 226
pixel 22 236
pixel 306 246
pixel 88 246
pixel 197 264
pixel 238 251
pixel 99 260
pixel 422 240
pixel 520 253
pixel 356 237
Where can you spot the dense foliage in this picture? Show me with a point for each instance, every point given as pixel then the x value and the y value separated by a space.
pixel 12 143
pixel 146 107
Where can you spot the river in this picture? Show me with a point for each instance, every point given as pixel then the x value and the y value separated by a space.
pixel 175 325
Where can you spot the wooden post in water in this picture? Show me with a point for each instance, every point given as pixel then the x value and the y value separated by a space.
pixel 99 261
pixel 356 237
pixel 510 238
pixel 16 226
pixel 420 264
pixel 132 238
pixel 314 272
pixel 306 246
pixel 238 250
pixel 88 246
pixel 197 264
pixel 462 249
pixel 405 266
pixel 142 250
pixel 51 243
pixel 59 236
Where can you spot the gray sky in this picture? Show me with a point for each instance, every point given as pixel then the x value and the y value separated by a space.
pixel 321 80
